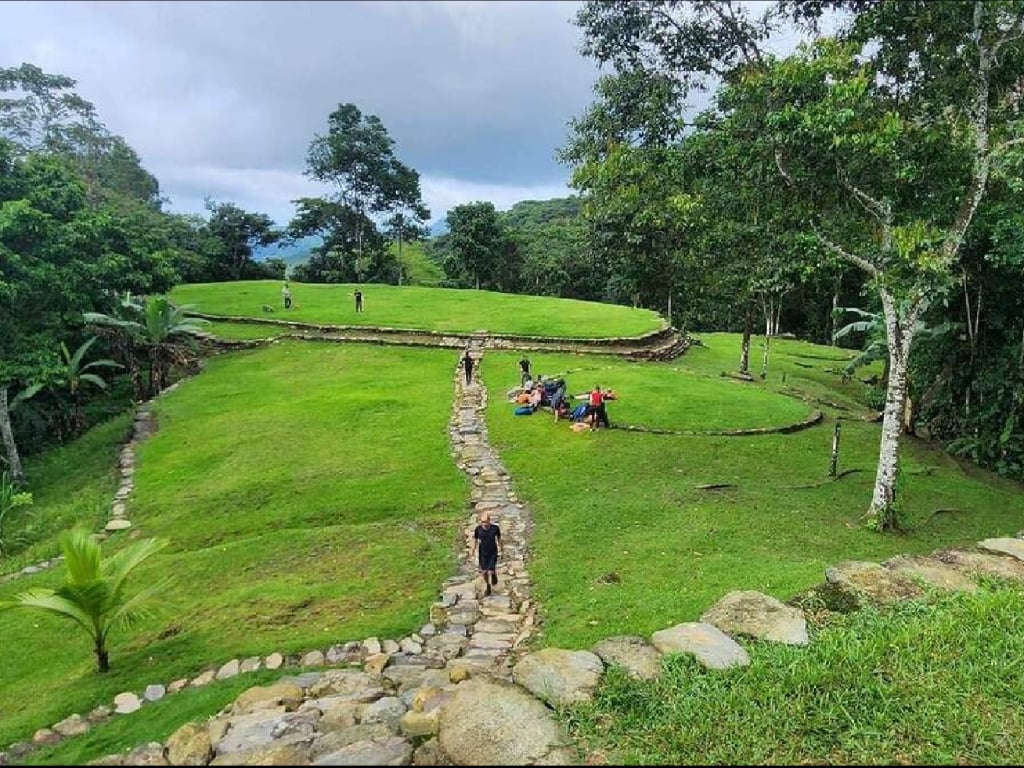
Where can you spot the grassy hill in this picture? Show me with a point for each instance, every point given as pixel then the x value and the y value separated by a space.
pixel 435 309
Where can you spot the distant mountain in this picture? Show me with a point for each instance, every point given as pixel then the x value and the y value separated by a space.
pixel 292 254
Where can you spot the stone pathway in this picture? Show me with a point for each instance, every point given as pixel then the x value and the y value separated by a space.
pixel 487 629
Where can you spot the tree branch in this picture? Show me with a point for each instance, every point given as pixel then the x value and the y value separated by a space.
pixel 842 253
pixel 1006 145
pixel 876 208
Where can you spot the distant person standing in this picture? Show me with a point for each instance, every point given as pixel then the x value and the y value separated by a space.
pixel 487 543
pixel 359 300
pixel 524 370
pixel 286 294
pixel 467 365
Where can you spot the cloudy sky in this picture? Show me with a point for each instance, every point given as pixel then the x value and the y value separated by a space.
pixel 223 98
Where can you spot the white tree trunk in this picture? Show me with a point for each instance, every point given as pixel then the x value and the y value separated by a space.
pixel 13 460
pixel 900 333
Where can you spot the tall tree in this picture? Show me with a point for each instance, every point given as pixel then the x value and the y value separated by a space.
pixel 356 158
pixel 234 232
pixel 481 252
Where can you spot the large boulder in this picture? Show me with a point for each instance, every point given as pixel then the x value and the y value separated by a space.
pixel 1011 547
pixel 287 695
pixel 189 745
pixel 560 677
pixel 865 582
pixel 387 750
pixel 981 564
pixel 932 572
pixel 634 654
pixel 712 647
pixel 491 723
pixel 760 616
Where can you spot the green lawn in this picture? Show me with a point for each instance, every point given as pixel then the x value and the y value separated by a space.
pixel 919 685
pixel 657 396
pixel 290 482
pixel 624 502
pixel 434 309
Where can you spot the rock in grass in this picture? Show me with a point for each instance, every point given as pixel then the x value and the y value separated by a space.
pixel 760 616
pixel 126 703
pixel 867 582
pixel 1011 547
pixel 633 654
pixel 154 692
pixel 229 669
pixel 711 646
pixel 75 725
pixel 558 676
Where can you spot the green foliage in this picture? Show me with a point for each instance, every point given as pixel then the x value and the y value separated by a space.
pixel 94 595
pixel 11 500
pixel 155 331
pixel 482 255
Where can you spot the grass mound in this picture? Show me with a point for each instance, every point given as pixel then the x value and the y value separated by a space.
pixel 422 308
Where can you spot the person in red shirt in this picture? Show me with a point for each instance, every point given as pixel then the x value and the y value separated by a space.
pixel 597 410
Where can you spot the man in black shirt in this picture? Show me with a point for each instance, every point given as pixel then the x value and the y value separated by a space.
pixel 524 370
pixel 487 542
pixel 359 301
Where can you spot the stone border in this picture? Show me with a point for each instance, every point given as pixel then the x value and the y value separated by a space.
pixel 816 417
pixel 663 331
pixel 675 346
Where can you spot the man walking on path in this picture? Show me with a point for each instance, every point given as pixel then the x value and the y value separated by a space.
pixel 524 370
pixel 359 300
pixel 487 543
pixel 467 364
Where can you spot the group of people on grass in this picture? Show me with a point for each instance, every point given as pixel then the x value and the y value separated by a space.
pixel 536 392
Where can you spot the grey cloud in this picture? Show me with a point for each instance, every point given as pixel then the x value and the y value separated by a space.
pixel 473 93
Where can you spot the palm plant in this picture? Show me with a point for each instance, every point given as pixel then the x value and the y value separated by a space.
pixel 94 593
pixel 159 328
pixel 73 375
